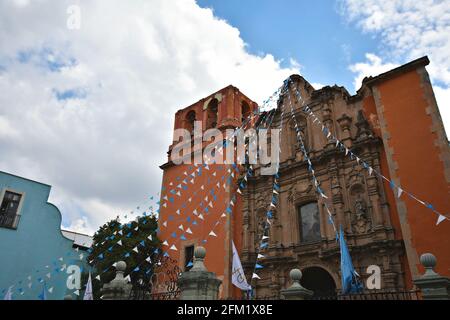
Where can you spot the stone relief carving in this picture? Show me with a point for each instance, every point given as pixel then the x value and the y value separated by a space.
pixel 361 222
pixel 299 189
pixel 363 126
pixel 260 227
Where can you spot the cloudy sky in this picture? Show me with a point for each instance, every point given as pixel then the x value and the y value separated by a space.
pixel 90 110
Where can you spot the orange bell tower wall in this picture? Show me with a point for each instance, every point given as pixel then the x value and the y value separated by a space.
pixel 418 157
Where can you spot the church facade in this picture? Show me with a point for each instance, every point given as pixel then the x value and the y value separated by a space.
pixel 392 124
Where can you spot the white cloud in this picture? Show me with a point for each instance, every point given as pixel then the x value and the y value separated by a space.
pixel 92 110
pixel 372 67
pixel 317 85
pixel 443 98
pixel 408 30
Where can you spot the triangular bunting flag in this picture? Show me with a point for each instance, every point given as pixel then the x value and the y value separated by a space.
pixel 440 219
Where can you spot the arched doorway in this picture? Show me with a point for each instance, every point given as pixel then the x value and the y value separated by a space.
pixel 319 281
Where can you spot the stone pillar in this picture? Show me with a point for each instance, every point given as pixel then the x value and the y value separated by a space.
pixel 432 285
pixel 296 291
pixel 198 283
pixel 118 288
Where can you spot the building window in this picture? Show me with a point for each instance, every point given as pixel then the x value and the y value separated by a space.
pixel 211 114
pixel 188 257
pixel 309 222
pixel 9 215
pixel 190 119
pixel 245 111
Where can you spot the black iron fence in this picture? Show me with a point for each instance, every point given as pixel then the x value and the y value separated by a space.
pixel 373 295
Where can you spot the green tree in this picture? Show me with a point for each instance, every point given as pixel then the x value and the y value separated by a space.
pixel 135 242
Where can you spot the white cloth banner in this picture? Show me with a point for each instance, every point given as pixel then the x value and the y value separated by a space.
pixel 238 276
pixel 88 295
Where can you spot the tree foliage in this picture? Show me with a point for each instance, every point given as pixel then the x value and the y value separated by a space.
pixel 135 242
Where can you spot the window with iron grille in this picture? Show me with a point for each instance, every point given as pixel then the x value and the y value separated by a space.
pixel 9 209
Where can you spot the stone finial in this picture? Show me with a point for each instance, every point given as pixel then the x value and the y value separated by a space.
pixel 296 275
pixel 296 291
pixel 432 285
pixel 199 256
pixel 121 266
pixel 428 260
pixel 198 283
pixel 118 288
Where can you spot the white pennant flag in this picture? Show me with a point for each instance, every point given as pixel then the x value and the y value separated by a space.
pixel 150 237
pixel 440 219
pixel 88 294
pixel 238 275
pixel 119 242
pixel 255 276
pixel 173 248
pixel 400 191
pixel 370 171
pixel 188 230
pixel 212 234
pixel 260 256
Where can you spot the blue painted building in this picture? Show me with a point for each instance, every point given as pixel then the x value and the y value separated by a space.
pixel 35 256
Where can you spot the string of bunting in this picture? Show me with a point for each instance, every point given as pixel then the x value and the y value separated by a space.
pixel 315 181
pixel 62 266
pixel 264 242
pixel 228 210
pixel 397 189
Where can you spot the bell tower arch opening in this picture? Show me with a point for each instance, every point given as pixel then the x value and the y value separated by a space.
pixel 211 114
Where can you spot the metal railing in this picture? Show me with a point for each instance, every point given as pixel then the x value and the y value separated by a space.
pixel 373 295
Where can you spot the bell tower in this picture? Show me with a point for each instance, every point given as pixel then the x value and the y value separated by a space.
pixel 199 204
